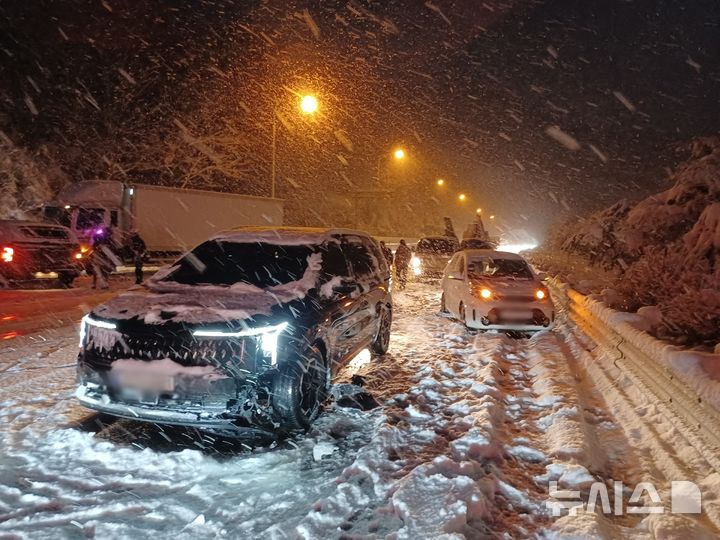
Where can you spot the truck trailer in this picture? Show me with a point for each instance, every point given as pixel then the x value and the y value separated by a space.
pixel 169 220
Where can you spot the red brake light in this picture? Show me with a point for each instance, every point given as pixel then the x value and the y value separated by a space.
pixel 7 254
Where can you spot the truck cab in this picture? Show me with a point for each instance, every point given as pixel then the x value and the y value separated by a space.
pixel 89 207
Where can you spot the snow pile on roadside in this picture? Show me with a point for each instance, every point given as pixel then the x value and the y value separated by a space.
pixel 699 370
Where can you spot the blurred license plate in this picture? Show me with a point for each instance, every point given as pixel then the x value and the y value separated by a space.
pixel 146 381
pixel 518 314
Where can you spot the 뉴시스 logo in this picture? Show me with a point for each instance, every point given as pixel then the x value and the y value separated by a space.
pixel 685 498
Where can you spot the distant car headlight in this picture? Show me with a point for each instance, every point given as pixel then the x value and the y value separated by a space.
pixel 267 338
pixel 416 264
pixel 485 293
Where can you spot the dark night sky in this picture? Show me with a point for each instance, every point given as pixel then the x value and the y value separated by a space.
pixel 471 88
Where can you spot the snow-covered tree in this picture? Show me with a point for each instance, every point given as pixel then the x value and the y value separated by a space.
pixel 26 180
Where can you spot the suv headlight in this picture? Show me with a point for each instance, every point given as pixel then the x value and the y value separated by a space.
pixel 86 321
pixel 267 338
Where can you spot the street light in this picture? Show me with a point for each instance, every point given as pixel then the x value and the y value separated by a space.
pixel 492 217
pixel 399 153
pixel 308 106
pixel 440 182
pixel 462 197
pixel 479 210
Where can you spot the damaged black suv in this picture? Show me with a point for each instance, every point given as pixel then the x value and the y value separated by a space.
pixel 246 330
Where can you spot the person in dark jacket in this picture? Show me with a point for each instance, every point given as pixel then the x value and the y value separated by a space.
pixel 139 250
pixel 402 260
pixel 387 253
pixel 103 259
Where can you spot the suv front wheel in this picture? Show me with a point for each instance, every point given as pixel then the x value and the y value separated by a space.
pixel 381 343
pixel 299 390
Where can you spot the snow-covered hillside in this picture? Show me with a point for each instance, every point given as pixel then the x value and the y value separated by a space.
pixel 662 251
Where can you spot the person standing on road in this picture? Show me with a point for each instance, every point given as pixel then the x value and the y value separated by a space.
pixel 139 249
pixel 102 258
pixel 387 253
pixel 402 260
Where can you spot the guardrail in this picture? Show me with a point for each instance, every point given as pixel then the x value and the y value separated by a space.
pixel 644 360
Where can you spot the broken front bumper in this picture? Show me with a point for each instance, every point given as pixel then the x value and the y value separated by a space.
pixel 93 396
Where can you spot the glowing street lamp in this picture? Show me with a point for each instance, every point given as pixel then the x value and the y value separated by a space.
pixel 462 197
pixel 492 217
pixel 478 211
pixel 309 104
pixel 440 182
pixel 399 154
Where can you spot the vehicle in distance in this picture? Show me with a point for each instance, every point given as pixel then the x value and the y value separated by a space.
pixel 432 254
pixel 477 243
pixel 168 219
pixel 246 330
pixel 495 290
pixel 32 251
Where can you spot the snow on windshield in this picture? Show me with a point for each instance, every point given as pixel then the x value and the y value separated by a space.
pixel 487 267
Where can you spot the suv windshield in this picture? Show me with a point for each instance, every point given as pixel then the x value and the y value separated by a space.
pixel 486 267
pixel 441 246
pixel 226 263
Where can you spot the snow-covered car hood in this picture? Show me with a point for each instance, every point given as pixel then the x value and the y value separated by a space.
pixel 161 301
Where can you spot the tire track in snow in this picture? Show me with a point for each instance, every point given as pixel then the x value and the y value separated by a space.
pixel 663 452
pixel 439 463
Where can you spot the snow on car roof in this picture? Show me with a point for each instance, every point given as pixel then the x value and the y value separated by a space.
pixel 283 235
pixel 493 254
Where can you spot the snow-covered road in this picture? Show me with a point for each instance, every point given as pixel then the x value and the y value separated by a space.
pixel 473 430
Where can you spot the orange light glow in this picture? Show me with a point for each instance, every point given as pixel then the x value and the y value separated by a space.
pixel 485 293
pixel 540 294
pixel 399 153
pixel 462 197
pixel 7 254
pixel 10 335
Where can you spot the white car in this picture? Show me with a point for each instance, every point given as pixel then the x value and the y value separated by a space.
pixel 495 290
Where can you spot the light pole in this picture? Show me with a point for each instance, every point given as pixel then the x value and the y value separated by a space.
pixel 399 155
pixel 308 106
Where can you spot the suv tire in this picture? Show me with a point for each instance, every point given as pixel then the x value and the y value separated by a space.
pixel 381 343
pixel 299 390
